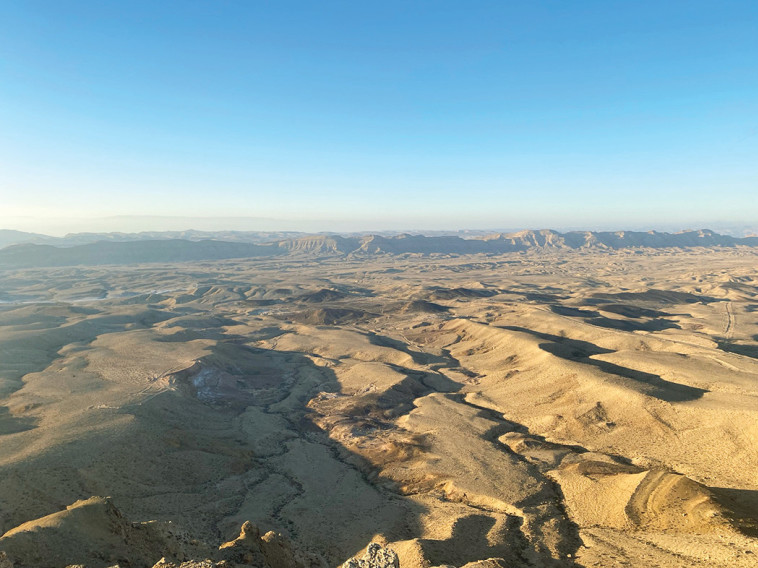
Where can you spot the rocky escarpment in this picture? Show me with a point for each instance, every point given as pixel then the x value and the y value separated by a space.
pixel 93 533
pixel 499 243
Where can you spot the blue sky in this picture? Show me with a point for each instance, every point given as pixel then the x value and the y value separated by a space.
pixel 382 114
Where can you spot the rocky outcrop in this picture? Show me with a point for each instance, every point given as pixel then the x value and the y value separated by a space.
pixel 251 548
pixel 489 563
pixel 163 563
pixel 93 533
pixel 271 550
pixel 376 556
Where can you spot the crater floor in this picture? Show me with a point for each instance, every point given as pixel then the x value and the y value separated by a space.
pixel 549 409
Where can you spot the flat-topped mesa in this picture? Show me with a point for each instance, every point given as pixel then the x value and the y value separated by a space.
pixel 526 239
pixel 420 244
pixel 321 244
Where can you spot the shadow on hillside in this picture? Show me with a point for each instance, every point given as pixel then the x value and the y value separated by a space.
pixel 739 348
pixel 743 504
pixel 583 351
pixel 232 438
pixel 657 323
pixel 10 424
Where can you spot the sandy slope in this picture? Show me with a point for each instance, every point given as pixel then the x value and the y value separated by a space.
pixel 556 409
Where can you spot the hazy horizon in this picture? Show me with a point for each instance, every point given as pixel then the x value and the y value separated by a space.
pixel 59 227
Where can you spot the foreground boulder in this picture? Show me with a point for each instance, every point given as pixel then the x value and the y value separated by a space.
pixel 163 563
pixel 376 556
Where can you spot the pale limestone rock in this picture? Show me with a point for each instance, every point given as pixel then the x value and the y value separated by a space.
pixel 376 556
pixel 489 563
pixel 163 563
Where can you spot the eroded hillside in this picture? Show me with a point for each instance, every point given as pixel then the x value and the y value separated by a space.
pixel 565 408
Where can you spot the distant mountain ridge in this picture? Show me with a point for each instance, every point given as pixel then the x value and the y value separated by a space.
pixel 621 239
pixel 510 242
pixel 132 252
pixel 10 237
pixel 180 250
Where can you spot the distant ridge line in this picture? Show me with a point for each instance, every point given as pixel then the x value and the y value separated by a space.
pixel 156 249
pixel 511 242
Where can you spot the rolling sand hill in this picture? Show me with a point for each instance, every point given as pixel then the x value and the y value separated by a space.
pixel 574 405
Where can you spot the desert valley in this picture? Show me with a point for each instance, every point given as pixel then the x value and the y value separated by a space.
pixel 546 400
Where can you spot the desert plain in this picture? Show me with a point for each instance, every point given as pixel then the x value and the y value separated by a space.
pixel 540 408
